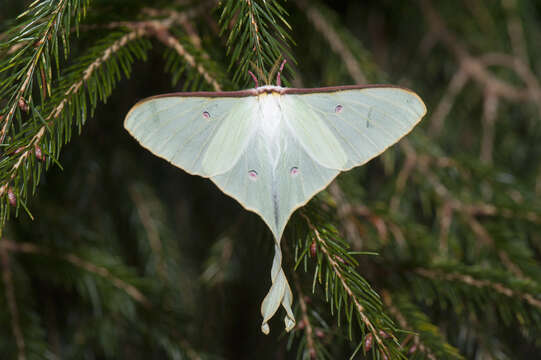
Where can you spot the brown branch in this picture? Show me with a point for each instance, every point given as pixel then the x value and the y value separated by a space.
pixel 394 311
pixel 162 33
pixel 29 149
pixel 468 211
pixel 139 29
pixel 445 213
pixel 459 79
pixel 485 237
pixel 404 174
pixel 254 29
pixel 12 303
pixel 515 30
pixel 333 38
pixel 30 72
pixel 338 272
pixel 471 65
pixel 151 228
pixel 470 280
pixel 305 319
pixel 521 68
pixel 345 213
pixel 29 248
pixel 490 110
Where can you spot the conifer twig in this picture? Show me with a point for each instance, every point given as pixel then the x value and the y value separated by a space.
pixel 306 320
pixel 150 227
pixel 29 149
pixel 34 63
pixel 458 80
pixel 473 66
pixel 393 310
pixel 455 204
pixel 490 108
pixel 515 30
pixel 160 30
pixel 257 34
pixel 162 33
pixel 12 303
pixel 337 271
pixel 334 40
pixel 470 280
pixel 30 248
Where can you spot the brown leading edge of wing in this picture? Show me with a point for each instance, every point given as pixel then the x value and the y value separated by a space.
pixel 269 89
pixel 340 88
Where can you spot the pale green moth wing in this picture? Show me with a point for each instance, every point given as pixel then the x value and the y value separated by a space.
pixel 364 121
pixel 204 136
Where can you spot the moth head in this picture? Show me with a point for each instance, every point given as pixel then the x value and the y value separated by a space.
pixel 276 69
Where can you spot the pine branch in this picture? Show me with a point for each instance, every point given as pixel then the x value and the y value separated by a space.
pixel 344 287
pixel 41 139
pixel 77 261
pixel 44 23
pixel 305 323
pixel 426 338
pixel 12 303
pixel 146 210
pixel 325 23
pixel 482 279
pixel 182 53
pixel 315 336
pixel 258 34
pixel 169 40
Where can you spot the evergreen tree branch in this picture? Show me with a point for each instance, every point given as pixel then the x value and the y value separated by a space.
pixel 515 30
pixel 457 83
pixel 153 235
pixel 68 100
pixel 160 29
pixel 315 334
pixel 476 68
pixel 258 34
pixel 12 303
pixel 350 285
pixel 29 248
pixel 471 65
pixel 305 323
pixel 217 267
pixel 412 319
pixel 468 212
pixel 50 21
pixel 521 291
pixel 322 24
pixel 162 34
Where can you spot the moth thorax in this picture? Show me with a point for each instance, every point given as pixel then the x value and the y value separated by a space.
pixel 271 115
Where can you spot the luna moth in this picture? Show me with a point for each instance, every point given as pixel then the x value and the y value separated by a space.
pixel 273 148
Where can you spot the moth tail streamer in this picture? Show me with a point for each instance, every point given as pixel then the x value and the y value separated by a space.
pixel 279 293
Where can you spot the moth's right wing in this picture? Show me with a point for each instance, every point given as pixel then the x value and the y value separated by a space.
pixel 203 135
pixel 344 127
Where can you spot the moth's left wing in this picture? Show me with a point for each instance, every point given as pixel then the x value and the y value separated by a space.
pixel 344 127
pixel 201 133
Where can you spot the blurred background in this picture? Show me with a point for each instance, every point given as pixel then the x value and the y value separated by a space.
pixel 130 257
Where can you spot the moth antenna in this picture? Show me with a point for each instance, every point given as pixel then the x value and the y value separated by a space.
pixel 253 77
pixel 278 76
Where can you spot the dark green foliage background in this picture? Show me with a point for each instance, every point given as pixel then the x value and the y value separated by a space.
pixel 463 281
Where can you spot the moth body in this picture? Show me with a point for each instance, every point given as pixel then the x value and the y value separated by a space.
pixel 269 125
